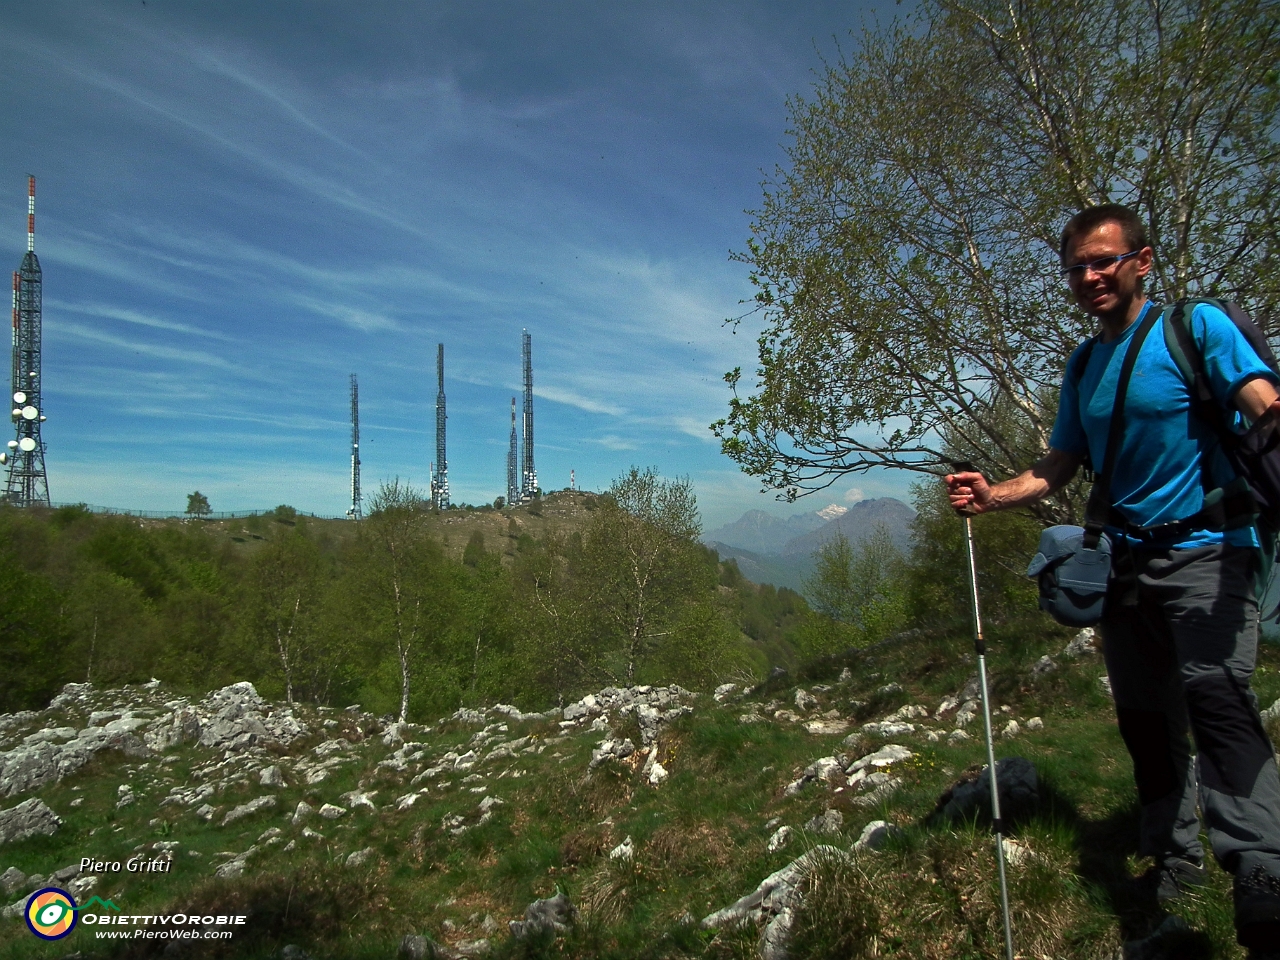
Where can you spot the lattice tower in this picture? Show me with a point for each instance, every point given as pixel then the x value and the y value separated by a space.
pixel 354 511
pixel 28 484
pixel 528 474
pixel 440 484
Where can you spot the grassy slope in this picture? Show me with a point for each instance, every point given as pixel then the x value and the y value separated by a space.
pixel 699 838
pixel 562 512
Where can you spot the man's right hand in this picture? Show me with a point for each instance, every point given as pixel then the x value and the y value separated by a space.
pixel 968 492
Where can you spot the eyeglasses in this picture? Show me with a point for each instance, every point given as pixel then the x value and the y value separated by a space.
pixel 1101 265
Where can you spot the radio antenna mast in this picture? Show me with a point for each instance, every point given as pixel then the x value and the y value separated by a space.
pixel 529 475
pixel 353 512
pixel 440 485
pixel 28 484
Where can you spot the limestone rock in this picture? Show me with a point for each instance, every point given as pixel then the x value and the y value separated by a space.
pixel 781 837
pixel 826 727
pixel 554 913
pixel 331 812
pixel 415 946
pixel 31 818
pixel 272 777
pixel 805 701
pixel 360 857
pixel 624 851
pixel 888 728
pixel 1044 665
pixel 248 809
pixel 827 823
pixel 875 834
pixel 1082 645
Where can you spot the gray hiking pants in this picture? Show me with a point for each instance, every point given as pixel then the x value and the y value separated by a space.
pixel 1180 637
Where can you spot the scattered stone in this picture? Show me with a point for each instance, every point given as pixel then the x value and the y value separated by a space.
pixel 331 812
pixel 30 818
pixel 909 711
pixel 946 706
pixel 356 798
pixel 805 701
pixel 722 692
pixel 360 857
pixel 657 773
pixel 958 736
pixel 1011 729
pixel 1016 779
pixel 12 879
pixel 312 834
pixel 624 851
pixel 124 795
pixel 1272 712
pixel 826 727
pixel 1016 852
pixel 772 904
pixel 781 837
pixel 827 823
pixel 875 834
pixel 554 913
pixel 1044 665
pixel 886 756
pixel 1035 723
pixel 887 728
pixel 1082 645
pixel 248 809
pixel 302 811
pixel 292 951
pixel 889 689
pixel 611 750
pixel 845 675
pixel 968 710
pixel 415 946
pixel 272 777
pixel 1106 684
pixel 205 812
pixel 471 948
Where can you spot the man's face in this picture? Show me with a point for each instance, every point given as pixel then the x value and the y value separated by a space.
pixel 1108 292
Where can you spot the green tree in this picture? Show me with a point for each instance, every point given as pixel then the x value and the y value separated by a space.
pixel 282 593
pixel 906 258
pixel 197 504
pixel 859 586
pixel 641 565
pixel 398 561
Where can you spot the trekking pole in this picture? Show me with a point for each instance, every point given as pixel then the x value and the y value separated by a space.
pixel 980 647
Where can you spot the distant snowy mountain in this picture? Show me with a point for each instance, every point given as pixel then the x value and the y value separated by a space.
pixel 857 523
pixel 780 551
pixel 761 532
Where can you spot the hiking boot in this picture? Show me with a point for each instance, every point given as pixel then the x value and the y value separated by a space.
pixel 1171 880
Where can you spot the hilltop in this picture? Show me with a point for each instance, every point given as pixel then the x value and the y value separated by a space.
pixel 655 811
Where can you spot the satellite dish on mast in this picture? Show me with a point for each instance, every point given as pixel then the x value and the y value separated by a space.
pixel 29 412
pixel 27 444
pixel 19 397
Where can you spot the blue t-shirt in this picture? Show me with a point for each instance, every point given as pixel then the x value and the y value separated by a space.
pixel 1156 477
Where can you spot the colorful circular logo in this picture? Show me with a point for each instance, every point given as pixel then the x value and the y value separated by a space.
pixel 51 913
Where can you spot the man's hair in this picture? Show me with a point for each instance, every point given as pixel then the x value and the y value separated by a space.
pixel 1090 218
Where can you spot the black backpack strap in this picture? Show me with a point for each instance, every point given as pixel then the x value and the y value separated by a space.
pixel 1097 508
pixel 1075 373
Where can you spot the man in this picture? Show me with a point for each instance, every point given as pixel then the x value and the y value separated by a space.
pixel 1180 624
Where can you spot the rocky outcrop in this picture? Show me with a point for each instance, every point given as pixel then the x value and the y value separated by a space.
pixel 138 722
pixel 31 818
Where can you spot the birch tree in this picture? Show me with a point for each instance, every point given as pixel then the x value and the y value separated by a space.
pixel 905 258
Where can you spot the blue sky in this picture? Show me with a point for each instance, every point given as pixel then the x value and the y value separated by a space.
pixel 240 204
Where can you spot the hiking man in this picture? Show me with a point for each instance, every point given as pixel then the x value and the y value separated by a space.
pixel 1180 623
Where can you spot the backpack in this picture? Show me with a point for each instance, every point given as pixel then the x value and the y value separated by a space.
pixel 1254 455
